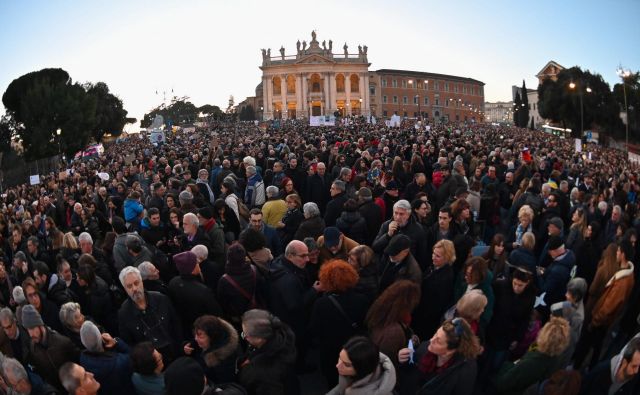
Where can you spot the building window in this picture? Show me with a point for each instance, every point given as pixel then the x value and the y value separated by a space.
pixel 446 102
pixel 340 83
pixel 315 83
pixel 372 90
pixel 426 101
pixel 404 100
pixel 405 114
pixel 416 99
pixel 355 83
pixel 437 101
pixel 384 98
pixel 446 87
pixel 384 113
pixel 395 99
pixel 404 83
pixel 455 88
pixel 384 82
pixel 277 86
pixel 291 84
pixel 436 86
pixel 394 83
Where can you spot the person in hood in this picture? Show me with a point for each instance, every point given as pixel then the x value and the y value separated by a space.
pixel 618 375
pixel 363 369
pixel 268 366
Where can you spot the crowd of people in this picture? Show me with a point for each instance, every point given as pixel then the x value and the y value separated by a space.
pixel 245 258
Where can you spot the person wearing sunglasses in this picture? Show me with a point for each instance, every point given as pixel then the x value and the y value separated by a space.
pixel 446 364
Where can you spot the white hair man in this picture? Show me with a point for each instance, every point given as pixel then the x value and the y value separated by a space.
pixel 402 224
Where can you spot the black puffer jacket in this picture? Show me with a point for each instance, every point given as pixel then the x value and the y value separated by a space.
pixel 310 227
pixel 269 370
pixel 353 225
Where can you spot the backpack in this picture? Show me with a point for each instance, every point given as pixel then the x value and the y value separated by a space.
pixel 243 210
pixel 253 303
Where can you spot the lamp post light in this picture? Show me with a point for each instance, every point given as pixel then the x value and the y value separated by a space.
pixel 623 73
pixel 572 86
pixel 59 133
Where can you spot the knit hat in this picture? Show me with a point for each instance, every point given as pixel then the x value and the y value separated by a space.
pixel 185 196
pixel 364 193
pixel 185 262
pixel 184 377
pixel 91 337
pixel 18 295
pixel 392 185
pixel 206 213
pixel 397 244
pixel 30 317
pixel 331 236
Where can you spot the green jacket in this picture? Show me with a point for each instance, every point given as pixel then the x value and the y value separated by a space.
pixel 534 367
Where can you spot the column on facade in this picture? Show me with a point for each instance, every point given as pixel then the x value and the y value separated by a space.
pixel 305 95
pixel 299 100
pixel 327 104
pixel 268 97
pixel 283 94
pixel 347 91
pixel 332 92
pixel 366 99
pixel 363 91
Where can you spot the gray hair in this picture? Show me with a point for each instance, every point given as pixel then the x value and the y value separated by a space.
pixel 260 323
pixel 201 251
pixel 403 204
pixel 577 287
pixel 7 315
pixel 344 171
pixel 340 185
pixel 272 191
pixel 15 367
pixel 67 313
pixel 617 209
pixel 67 379
pixel 127 271
pixel 249 161
pixel 251 170
pixel 310 209
pixel 191 219
pixel 603 206
pixel 145 269
pixel 84 236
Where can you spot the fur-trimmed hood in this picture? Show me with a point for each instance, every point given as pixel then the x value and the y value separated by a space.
pixel 214 356
pixel 622 273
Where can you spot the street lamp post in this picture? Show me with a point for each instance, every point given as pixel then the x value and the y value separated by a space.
pixel 622 73
pixel 572 86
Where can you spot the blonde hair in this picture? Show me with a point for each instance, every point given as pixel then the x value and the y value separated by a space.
pixel 554 337
pixel 527 211
pixel 448 250
pixel 471 305
pixel 69 241
pixel 528 240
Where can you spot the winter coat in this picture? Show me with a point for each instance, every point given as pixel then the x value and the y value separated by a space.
pixel 132 210
pixel 273 211
pixel 291 294
pixel 532 368
pixel 96 302
pixel 112 369
pixel 233 302
pixel 192 299
pixel 158 324
pixel 51 353
pixel 353 225
pixel 219 361
pixel 413 230
pixel 391 272
pixel 435 299
pixel 217 246
pixel 310 227
pixel 254 195
pixel 511 314
pixel 599 379
pixel 121 257
pixel 554 280
pixel 368 281
pixel 291 220
pixel 612 302
pixel 343 253
pixel 457 379
pixel 334 209
pixel 380 382
pixel 391 339
pixel 373 217
pixel 57 291
pixel 461 288
pixel 269 370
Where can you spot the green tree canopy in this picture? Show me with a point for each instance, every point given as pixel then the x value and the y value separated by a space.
pixel 110 115
pixel 180 111
pixel 560 103
pixel 632 88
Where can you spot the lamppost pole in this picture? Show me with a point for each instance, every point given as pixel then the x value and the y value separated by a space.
pixel 622 73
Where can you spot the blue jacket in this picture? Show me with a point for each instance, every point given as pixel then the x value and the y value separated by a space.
pixel 555 278
pixel 112 369
pixel 132 209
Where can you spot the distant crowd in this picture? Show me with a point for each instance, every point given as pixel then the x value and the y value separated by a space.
pixel 257 259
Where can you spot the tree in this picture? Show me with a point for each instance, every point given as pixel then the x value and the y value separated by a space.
pixel 211 111
pixel 523 112
pixel 560 103
pixel 517 105
pixel 7 131
pixel 110 115
pixel 180 111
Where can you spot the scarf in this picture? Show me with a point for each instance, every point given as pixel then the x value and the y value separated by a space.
pixel 428 364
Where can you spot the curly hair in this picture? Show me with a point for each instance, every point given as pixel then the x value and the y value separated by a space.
pixel 479 269
pixel 448 250
pixel 554 337
pixel 461 338
pixel 394 304
pixel 458 207
pixel 337 276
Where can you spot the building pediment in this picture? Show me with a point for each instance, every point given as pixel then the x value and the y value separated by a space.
pixel 550 69
pixel 315 59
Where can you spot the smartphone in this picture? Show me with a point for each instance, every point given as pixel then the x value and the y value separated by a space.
pixel 410 347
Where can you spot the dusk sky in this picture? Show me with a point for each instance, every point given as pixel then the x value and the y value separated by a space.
pixel 208 50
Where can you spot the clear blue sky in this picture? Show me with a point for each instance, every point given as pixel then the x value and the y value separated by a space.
pixel 209 50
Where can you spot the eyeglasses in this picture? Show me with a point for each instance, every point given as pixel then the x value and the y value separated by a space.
pixel 303 255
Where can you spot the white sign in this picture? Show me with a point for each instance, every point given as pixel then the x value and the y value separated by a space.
pixel 395 121
pixel 578 145
pixel 34 180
